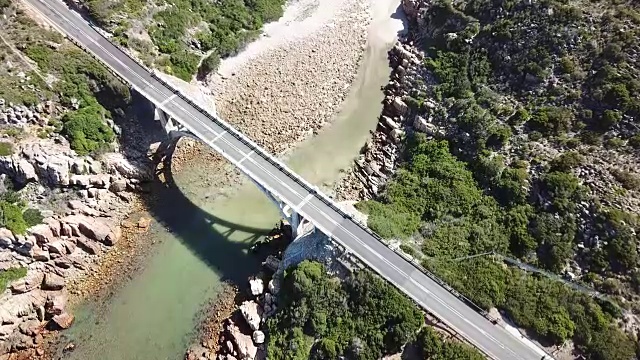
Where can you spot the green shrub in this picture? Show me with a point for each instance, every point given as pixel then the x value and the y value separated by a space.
pixel 11 217
pixel 210 63
pixel 32 217
pixel 566 161
pixel 6 149
pixel 184 64
pixel 629 180
pixel 86 130
pixel 7 276
pixel 317 308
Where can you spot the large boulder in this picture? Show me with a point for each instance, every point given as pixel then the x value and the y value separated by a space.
pixel 18 169
pixel 95 229
pixel 56 303
pixel 88 246
pixel 21 305
pixel 258 337
pixel 399 106
pixel 245 347
pixel 43 233
pixel 28 283
pixel 6 237
pixel 256 287
pixel 252 314
pixel 422 125
pixel 63 321
pixel 53 282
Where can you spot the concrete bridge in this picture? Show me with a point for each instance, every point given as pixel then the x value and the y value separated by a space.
pixel 299 201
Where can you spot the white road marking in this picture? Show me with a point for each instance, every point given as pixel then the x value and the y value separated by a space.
pixel 304 201
pixel 170 98
pixel 245 157
pixel 217 136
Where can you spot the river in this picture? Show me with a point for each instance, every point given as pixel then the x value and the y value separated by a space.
pixel 153 316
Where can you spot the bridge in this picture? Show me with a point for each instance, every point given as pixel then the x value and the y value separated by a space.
pixel 298 200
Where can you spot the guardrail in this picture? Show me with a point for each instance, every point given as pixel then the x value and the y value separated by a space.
pixel 292 175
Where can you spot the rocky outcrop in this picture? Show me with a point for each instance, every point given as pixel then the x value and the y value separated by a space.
pixel 380 156
pixel 95 228
pixel 252 314
pixel 244 345
pixel 256 287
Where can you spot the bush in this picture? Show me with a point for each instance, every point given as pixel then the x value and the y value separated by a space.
pixel 363 315
pixel 32 217
pixel 86 130
pixel 7 276
pixel 566 161
pixel 552 120
pixel 6 149
pixel 184 64
pixel 629 181
pixel 210 64
pixel 11 217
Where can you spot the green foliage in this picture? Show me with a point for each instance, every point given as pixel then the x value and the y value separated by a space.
pixel 11 217
pixel 430 346
pixel 86 130
pixel 32 217
pixel 6 149
pixel 9 275
pixel 231 24
pixel 364 315
pixel 564 189
pixel 566 161
pixel 210 63
pixel 552 120
pixel 629 180
pixel 184 64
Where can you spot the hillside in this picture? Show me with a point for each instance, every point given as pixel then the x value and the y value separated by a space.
pixel 520 137
pixel 183 37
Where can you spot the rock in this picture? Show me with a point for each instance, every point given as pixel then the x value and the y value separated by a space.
pixel 117 163
pixel 272 263
pixel 40 254
pixel 56 304
pixel 57 247
pixel 256 287
pixel 54 225
pixel 63 320
pixel 88 246
pixel 30 327
pixel 390 123
pixel 397 135
pixel 52 282
pixel 399 106
pixel 229 345
pixel 144 223
pixel 258 337
pixel 6 237
pixel 63 263
pixel 273 287
pixel 70 246
pixel 251 312
pixel 28 283
pixel 118 186
pixel 96 229
pixel 244 344
pixel 422 125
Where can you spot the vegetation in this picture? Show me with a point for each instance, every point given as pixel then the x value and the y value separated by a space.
pixel 9 275
pixel 361 318
pixel 14 214
pixel 6 149
pixel 186 29
pixel 83 84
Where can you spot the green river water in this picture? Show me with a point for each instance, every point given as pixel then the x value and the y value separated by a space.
pixel 153 316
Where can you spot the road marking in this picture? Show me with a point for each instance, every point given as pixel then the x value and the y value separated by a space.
pixel 245 157
pixel 170 98
pixel 217 136
pixel 258 165
pixel 305 200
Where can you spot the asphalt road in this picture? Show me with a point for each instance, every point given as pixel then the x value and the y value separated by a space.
pixel 492 339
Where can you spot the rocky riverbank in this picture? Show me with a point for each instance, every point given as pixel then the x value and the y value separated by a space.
pixel 379 157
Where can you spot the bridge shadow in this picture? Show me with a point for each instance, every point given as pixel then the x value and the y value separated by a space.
pixel 203 233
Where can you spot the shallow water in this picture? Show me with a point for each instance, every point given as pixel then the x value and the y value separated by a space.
pixel 153 316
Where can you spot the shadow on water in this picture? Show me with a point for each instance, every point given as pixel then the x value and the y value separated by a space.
pixel 204 233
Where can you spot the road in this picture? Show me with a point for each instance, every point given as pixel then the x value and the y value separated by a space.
pixel 492 339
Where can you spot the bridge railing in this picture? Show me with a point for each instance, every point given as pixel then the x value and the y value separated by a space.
pixel 291 174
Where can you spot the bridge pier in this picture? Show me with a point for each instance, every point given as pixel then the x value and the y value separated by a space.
pixel 173 128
